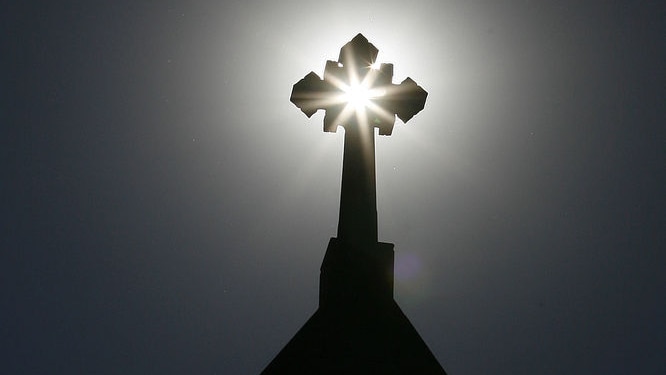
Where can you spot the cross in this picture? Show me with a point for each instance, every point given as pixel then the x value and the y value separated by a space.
pixel 358 96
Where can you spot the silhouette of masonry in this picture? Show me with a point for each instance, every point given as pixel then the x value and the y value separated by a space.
pixel 358 328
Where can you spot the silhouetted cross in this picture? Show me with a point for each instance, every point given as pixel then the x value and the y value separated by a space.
pixel 360 98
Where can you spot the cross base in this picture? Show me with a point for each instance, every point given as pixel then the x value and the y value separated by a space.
pixel 356 277
pixel 358 328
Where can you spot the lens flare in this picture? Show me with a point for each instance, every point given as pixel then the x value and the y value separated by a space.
pixel 358 96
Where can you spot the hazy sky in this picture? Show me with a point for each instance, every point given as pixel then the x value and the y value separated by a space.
pixel 165 208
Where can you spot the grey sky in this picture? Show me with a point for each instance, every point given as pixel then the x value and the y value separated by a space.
pixel 167 208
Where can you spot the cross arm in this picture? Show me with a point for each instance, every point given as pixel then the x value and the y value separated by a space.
pixel 405 100
pixel 311 94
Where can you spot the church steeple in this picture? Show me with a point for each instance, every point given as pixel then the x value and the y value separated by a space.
pixel 358 327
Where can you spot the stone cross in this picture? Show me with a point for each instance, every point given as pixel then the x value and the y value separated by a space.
pixel 359 97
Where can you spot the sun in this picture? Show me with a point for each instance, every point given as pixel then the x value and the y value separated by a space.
pixel 357 95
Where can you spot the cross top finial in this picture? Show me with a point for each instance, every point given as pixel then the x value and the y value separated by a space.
pixel 358 53
pixel 352 92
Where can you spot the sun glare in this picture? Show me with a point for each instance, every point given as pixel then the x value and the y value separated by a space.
pixel 358 95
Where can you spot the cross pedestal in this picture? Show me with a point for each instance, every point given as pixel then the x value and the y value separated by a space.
pixel 358 328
